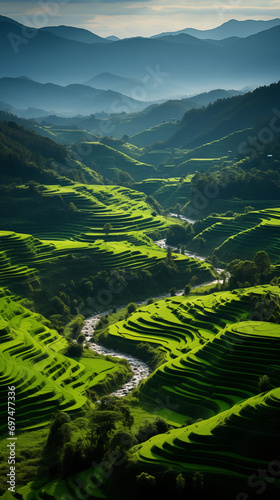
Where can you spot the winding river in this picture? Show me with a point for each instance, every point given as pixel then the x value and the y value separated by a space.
pixel 140 369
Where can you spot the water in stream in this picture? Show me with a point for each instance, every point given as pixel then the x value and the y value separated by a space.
pixel 139 368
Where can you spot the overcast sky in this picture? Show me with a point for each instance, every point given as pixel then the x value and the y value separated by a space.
pixel 138 17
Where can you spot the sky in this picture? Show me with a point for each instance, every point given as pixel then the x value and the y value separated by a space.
pixel 138 17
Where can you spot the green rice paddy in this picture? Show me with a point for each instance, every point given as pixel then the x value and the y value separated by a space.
pixel 32 359
pixel 248 233
pixel 215 356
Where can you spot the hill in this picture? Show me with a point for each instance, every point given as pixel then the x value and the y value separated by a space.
pixel 26 156
pixel 34 357
pixel 49 222
pixel 225 117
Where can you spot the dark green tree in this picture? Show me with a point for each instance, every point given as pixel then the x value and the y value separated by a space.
pixel 262 261
pixel 107 228
pixel 131 307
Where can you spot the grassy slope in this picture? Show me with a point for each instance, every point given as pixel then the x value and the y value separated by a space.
pixel 218 148
pixel 157 133
pixel 31 359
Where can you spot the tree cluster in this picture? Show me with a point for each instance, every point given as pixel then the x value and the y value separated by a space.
pixel 249 273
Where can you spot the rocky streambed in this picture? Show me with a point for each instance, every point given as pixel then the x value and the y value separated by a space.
pixel 140 369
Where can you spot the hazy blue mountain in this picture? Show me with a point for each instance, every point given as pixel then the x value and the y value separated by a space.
pixel 77 34
pixel 5 19
pixel 70 100
pixel 232 28
pixel 67 32
pixel 169 111
pixel 113 38
pixel 108 81
pixel 209 97
pixel 165 69
pixel 23 113
pixel 154 115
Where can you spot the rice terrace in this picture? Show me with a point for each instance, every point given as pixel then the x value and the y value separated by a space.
pixel 139 251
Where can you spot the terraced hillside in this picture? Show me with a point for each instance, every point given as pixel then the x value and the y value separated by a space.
pixel 24 258
pixel 160 132
pixel 112 163
pixel 205 345
pixel 168 192
pixel 229 449
pixel 220 366
pixel 62 212
pixel 217 151
pixel 32 360
pixel 92 230
pixel 65 135
pixel 248 233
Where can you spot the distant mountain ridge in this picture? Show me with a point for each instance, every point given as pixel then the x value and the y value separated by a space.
pixel 67 32
pixel 107 81
pixel 163 68
pixel 70 100
pixel 232 28
pixel 76 34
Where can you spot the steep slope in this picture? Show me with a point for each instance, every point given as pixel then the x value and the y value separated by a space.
pixel 225 116
pixel 251 232
pixel 26 156
pixel 231 449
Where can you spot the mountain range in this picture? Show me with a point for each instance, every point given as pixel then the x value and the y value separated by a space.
pixel 162 68
pixel 231 28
